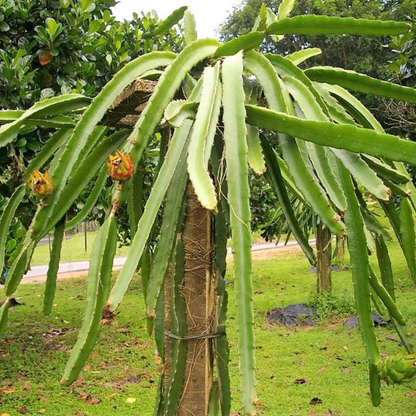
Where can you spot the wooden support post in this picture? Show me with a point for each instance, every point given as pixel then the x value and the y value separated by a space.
pixel 199 294
pixel 324 254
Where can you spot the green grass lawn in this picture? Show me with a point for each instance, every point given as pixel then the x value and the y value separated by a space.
pixel 123 367
pixel 73 249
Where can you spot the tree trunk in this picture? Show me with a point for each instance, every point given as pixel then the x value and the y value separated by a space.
pixel 198 291
pixel 340 250
pixel 323 248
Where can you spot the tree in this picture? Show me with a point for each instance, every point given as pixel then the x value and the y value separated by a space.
pixel 403 115
pixel 55 47
pixel 215 134
pixel 362 54
pixel 49 48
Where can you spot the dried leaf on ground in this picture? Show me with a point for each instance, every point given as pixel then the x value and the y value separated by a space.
pixel 93 400
pixel 131 400
pixel 301 381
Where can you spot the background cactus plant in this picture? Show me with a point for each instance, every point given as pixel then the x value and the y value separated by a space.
pixel 334 154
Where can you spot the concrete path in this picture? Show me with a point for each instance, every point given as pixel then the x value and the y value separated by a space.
pixel 82 266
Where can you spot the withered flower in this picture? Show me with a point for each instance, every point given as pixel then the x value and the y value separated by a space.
pixel 40 183
pixel 120 166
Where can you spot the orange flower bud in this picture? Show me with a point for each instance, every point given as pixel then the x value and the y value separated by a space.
pixel 120 166
pixel 40 183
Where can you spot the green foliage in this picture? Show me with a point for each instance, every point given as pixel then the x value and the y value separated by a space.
pixel 263 204
pixel 332 305
pixel 54 47
pixel 328 356
pixel 9 242
pixel 362 54
pixel 49 48
pixel 99 281
pixel 398 368
pixel 403 115
pixel 53 267
pixel 321 133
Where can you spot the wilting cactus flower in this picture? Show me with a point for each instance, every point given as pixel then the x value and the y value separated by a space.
pixel 40 183
pixel 398 368
pixel 120 166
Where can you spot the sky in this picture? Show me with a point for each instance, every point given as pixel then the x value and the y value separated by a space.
pixel 209 14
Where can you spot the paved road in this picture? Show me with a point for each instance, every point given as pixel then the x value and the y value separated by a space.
pixel 81 266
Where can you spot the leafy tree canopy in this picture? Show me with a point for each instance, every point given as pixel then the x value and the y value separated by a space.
pixel 403 115
pixel 363 54
pixel 48 48
pixel 52 47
